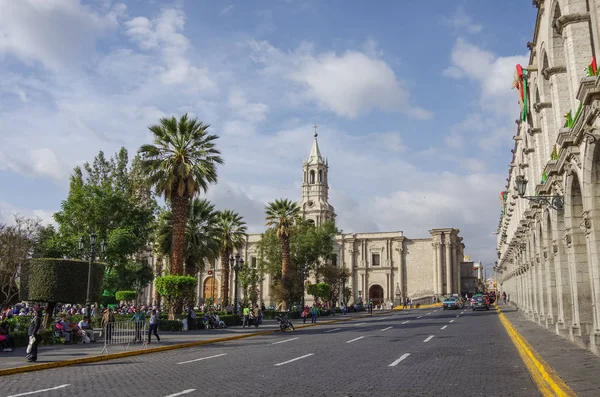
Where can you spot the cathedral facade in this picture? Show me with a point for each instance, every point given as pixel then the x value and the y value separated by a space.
pixel 385 267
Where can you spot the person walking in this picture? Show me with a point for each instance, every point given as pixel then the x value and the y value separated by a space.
pixel 256 315
pixel 246 317
pixel 315 311
pixel 107 324
pixel 153 326
pixel 304 314
pixel 139 317
pixel 35 337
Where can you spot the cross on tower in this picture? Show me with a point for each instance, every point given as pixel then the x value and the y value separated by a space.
pixel 315 127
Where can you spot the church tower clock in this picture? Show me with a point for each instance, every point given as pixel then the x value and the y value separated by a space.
pixel 315 187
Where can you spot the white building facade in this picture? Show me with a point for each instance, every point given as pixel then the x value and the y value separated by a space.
pixel 549 257
pixel 385 267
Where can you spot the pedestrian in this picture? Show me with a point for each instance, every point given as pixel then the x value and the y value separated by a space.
pixel 34 332
pixel 107 323
pixel 343 308
pixel 256 315
pixel 315 311
pixel 153 326
pixel 246 320
pixel 140 319
pixel 304 314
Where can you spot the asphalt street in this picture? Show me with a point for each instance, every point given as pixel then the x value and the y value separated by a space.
pixel 424 352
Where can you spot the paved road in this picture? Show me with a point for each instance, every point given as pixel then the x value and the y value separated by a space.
pixel 417 353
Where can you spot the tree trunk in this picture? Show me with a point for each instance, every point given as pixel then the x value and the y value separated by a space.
pixel 48 315
pixel 285 265
pixel 225 279
pixel 181 209
pixel 191 269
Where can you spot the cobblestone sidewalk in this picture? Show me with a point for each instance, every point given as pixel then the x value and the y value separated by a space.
pixel 579 368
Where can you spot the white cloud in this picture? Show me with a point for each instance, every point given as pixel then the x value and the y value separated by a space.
pixel 227 10
pixel 45 162
pixel 460 21
pixel 8 212
pixel 53 32
pixel 348 85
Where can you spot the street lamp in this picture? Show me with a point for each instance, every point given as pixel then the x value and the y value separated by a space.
pixel 554 202
pixel 237 264
pixel 303 274
pixel 91 258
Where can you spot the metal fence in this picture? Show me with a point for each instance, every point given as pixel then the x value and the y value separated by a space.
pixel 124 333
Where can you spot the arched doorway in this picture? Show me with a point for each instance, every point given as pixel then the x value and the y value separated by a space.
pixel 376 294
pixel 210 288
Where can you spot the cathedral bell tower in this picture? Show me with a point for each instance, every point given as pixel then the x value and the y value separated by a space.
pixel 315 187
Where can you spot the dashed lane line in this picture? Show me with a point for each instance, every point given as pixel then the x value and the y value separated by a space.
pixel 451 321
pixel 444 327
pixel 419 317
pixel 331 330
pixel 385 329
pixel 428 313
pixel 203 358
pixel 406 322
pixel 458 316
pixel 402 357
pixel 284 341
pixel 40 391
pixel 294 359
pixel 430 337
pixel 355 339
pixel 181 393
pixel 356 325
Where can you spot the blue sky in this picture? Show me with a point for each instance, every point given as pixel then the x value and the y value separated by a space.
pixel 413 100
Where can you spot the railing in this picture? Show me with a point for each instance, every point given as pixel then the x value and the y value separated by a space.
pixel 124 333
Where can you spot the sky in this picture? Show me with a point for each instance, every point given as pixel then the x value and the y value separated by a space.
pixel 413 101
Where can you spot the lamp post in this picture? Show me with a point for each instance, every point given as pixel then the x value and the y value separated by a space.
pixel 554 202
pixel 91 258
pixel 303 278
pixel 237 264
pixel 344 277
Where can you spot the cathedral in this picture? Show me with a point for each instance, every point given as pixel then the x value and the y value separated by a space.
pixel 385 267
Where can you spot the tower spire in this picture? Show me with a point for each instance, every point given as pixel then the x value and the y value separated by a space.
pixel 315 154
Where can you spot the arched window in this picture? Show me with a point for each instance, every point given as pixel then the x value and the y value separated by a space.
pixel 311 222
pixel 312 176
pixel 320 176
pixel 334 260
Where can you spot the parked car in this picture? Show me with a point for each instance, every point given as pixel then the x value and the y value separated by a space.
pixel 450 303
pixel 480 303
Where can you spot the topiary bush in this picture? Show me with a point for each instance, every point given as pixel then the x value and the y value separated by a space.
pixel 59 280
pixel 125 295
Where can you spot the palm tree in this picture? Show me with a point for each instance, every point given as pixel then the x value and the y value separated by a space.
pixel 201 235
pixel 181 163
pixel 232 234
pixel 282 214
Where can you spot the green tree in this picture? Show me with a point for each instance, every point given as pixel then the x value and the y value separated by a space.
pixel 249 278
pixel 201 236
pixel 176 290
pixel 109 198
pixel 180 164
pixel 126 296
pixel 232 235
pixel 281 215
pixel 320 291
pixel 47 243
pixel 129 276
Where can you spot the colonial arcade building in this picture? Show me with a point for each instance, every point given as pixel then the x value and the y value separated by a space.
pixel 549 231
pixel 385 267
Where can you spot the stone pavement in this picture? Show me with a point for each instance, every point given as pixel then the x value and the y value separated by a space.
pixel 53 353
pixel 578 367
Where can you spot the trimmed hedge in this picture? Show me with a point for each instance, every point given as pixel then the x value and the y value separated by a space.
pixel 59 280
pixel 125 295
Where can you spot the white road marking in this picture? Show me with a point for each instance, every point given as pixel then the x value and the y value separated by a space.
pixel 203 358
pixel 355 339
pixel 444 327
pixel 380 318
pixel 283 341
pixel 295 359
pixel 402 357
pixel 181 393
pixel 385 329
pixel 356 325
pixel 428 313
pixel 406 322
pixel 331 330
pixel 419 317
pixel 430 337
pixel 40 391
pixel 451 321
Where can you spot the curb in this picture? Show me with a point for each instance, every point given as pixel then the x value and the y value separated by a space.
pixel 115 356
pixel 547 380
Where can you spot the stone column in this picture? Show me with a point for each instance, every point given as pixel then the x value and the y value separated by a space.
pixel 401 268
pixel 440 268
pixel 455 269
pixel 448 259
pixel 435 271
